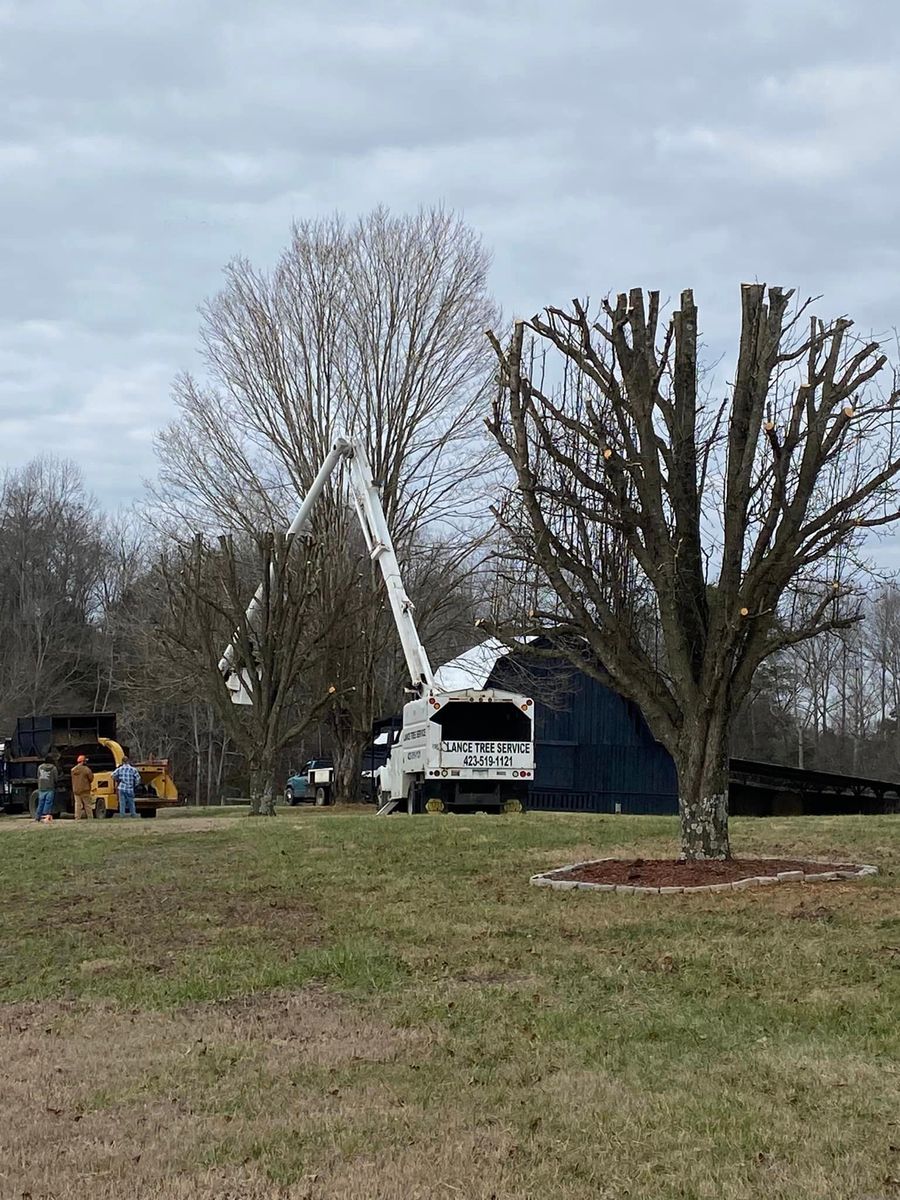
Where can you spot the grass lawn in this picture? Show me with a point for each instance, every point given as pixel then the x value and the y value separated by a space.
pixel 333 1005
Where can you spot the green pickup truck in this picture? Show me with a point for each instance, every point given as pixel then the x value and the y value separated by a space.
pixel 312 783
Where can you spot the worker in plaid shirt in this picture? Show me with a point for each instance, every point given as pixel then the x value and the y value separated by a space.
pixel 126 779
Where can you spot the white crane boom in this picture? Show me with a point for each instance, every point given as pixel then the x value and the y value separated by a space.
pixel 367 502
pixel 236 682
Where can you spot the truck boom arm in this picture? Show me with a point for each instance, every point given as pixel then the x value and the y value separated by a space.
pixel 369 510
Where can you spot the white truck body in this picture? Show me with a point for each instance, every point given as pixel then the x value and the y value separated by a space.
pixel 460 750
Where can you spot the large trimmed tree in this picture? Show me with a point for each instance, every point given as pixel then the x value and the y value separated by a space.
pixel 674 540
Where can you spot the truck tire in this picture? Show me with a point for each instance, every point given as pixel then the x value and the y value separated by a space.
pixel 101 812
pixel 148 813
pixel 289 797
pixel 321 797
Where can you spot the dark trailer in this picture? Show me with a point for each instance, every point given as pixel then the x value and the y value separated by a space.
pixel 61 737
pixel 761 789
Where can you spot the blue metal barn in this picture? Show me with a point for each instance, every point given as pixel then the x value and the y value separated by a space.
pixel 594 751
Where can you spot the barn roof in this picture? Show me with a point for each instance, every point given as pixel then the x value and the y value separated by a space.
pixel 472 669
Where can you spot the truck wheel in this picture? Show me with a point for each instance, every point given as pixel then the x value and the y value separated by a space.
pixel 289 797
pixel 321 797
pixel 100 810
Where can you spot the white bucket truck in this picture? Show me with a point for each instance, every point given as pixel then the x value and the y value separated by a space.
pixel 457 750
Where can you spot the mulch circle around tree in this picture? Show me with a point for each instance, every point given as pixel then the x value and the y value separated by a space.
pixel 656 874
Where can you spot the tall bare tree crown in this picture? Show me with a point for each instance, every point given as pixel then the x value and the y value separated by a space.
pixel 374 329
pixel 632 486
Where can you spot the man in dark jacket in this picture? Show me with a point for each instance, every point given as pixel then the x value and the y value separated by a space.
pixel 47 776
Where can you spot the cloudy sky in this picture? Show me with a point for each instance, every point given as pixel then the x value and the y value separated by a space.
pixel 595 146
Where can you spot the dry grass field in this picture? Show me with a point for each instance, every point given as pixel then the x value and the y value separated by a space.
pixel 334 1005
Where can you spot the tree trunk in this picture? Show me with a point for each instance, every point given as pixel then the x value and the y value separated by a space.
pixel 263 789
pixel 220 772
pixel 196 730
pixel 267 796
pixel 702 763
pixel 209 754
pixel 255 792
pixel 347 759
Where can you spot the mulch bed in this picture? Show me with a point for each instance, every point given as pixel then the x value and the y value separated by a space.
pixel 667 872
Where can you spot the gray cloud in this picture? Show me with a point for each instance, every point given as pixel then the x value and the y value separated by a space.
pixel 142 145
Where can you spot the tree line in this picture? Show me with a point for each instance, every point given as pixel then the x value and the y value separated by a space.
pixel 80 600
pixel 833 703
pixel 698 543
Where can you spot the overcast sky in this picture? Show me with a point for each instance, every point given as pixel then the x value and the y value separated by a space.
pixel 596 146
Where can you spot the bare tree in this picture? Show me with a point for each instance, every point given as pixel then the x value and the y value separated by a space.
pixel 884 648
pixel 208 591
pixel 52 545
pixel 723 508
pixel 372 329
pixel 155 685
pixel 884 652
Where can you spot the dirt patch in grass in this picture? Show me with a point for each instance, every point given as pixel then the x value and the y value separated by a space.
pixel 110 1104
pixel 324 1029
pixel 153 917
pixel 486 978
pixel 479 1164
pixel 664 872
pixel 66 827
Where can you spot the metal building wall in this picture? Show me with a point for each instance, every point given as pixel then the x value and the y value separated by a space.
pixel 593 749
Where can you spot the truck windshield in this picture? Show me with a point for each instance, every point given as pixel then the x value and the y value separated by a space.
pixel 464 721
